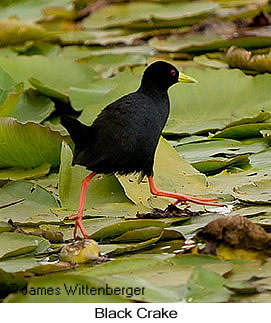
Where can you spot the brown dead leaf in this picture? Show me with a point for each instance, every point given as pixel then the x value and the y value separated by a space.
pixel 170 212
pixel 237 232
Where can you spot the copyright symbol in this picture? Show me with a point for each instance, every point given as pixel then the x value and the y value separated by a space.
pixel 13 288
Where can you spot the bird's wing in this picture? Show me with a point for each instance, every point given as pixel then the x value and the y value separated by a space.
pixel 115 135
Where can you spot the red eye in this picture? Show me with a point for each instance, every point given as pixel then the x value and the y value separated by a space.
pixel 173 72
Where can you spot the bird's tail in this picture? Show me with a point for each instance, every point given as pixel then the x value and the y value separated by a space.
pixel 79 132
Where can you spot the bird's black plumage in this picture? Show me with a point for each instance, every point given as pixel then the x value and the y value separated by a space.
pixel 124 136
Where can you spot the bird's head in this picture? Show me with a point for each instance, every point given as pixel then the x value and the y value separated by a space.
pixel 162 75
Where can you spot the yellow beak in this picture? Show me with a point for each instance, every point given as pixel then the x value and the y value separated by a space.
pixel 186 79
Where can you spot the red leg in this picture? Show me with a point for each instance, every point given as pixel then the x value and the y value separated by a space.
pixel 78 217
pixel 181 197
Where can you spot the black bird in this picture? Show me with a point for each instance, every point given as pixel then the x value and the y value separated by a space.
pixel 124 136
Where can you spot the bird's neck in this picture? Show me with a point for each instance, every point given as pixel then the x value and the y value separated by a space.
pixel 154 92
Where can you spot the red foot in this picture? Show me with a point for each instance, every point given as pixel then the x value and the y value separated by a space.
pixel 79 216
pixel 181 197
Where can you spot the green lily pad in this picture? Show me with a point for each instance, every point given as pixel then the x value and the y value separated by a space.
pixel 28 10
pixel 15 32
pixel 261 161
pixel 243 131
pixel 54 72
pixel 28 145
pixel 10 283
pixel 214 166
pixel 81 98
pixel 16 173
pixel 26 106
pixel 108 64
pixel 139 15
pixel 8 107
pixel 110 232
pixel 205 286
pixel 204 60
pixel 137 235
pixel 198 42
pixel 15 244
pixel 134 247
pixel 164 271
pixel 20 201
pixel 48 91
pixel 202 150
pixel 258 192
pixel 217 88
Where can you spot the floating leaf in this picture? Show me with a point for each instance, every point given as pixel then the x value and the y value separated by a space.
pixel 10 283
pixel 16 173
pixel 28 145
pixel 258 192
pixel 214 166
pixel 14 32
pixel 205 286
pixel 112 231
pixel 243 59
pixel 189 101
pixel 243 131
pixel 148 15
pixel 54 72
pixel 28 10
pixel 203 150
pixel 27 106
pixel 14 244
pixel 23 201
pixel 198 42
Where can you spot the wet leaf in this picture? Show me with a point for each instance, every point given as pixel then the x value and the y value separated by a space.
pixel 16 173
pixel 202 150
pixel 28 145
pixel 110 232
pixel 198 42
pixel 27 106
pixel 14 244
pixel 139 15
pixel 189 101
pixel 10 283
pixel 28 10
pixel 14 32
pixel 243 59
pixel 204 60
pixel 139 235
pixel 214 166
pixel 30 201
pixel 205 286
pixel 243 131
pixel 54 72
pixel 258 192
pixel 134 247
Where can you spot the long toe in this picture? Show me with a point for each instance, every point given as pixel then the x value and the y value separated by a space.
pixel 78 223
